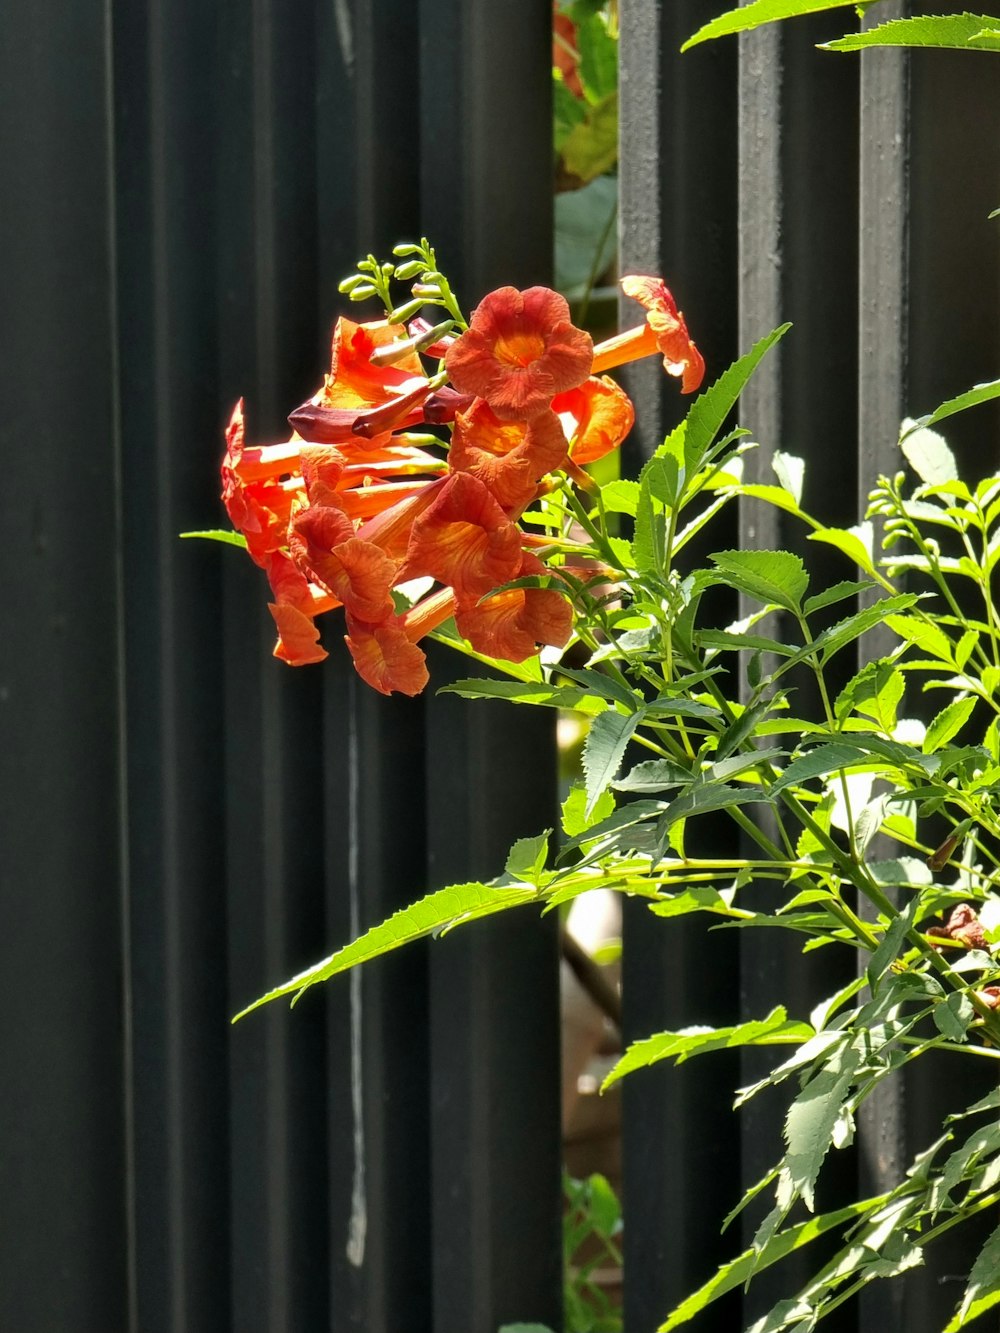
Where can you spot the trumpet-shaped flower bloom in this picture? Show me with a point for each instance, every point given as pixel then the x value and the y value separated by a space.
pixel 596 417
pixel 664 331
pixel 519 351
pixel 512 624
pixel 258 508
pixel 354 381
pixel 358 573
pixel 463 539
pixel 297 603
pixel 385 657
pixel 508 457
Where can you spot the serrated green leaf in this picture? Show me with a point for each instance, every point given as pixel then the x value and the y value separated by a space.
pixel 954 31
pixel 772 495
pixel 606 741
pixel 844 632
pixel 855 543
pixel 699 898
pixel 604 686
pixel 526 859
pixel 648 539
pixel 741 728
pixel 710 409
pixel 527 692
pixel 758 12
pixel 983 1290
pixel 979 393
pixel 669 706
pixel 810 1124
pixel 876 692
pixel 739 763
pixel 772 577
pixel 889 945
pixel 447 907
pixel 574 811
pixel 698 800
pixel 837 593
pixel 953 1016
pixel 739 1271
pixel 790 471
pixel 928 454
pixel 620 497
pixel 948 723
pixel 654 775
pixel 924 633
pixel 817 763
pixel 219 535
pixel 635 812
pixel 775 1029
pixel 727 642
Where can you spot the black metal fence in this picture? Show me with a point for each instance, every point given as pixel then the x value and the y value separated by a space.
pixel 184 822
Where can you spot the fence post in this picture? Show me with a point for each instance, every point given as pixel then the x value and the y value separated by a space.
pixel 63 1263
pixel 486 201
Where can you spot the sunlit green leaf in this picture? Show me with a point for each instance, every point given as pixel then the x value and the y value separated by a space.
pixel 855 543
pixel 928 454
pixel 574 811
pixel 738 1272
pixel 527 692
pixel 447 907
pixel 948 723
pixel 983 1290
pixel 711 408
pixel 979 393
pixel 758 12
pixel 775 1029
pixel 220 535
pixel 526 859
pixel 958 31
pixel 810 1124
pixel 772 577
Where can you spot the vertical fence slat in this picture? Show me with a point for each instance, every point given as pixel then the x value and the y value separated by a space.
pixel 486 185
pixel 931 325
pixel 276 797
pixel 164 84
pixel 797 130
pixel 368 156
pixel 677 181
pixel 63 1263
pixel 882 351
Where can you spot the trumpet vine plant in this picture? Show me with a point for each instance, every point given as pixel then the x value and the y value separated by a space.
pixel 436 485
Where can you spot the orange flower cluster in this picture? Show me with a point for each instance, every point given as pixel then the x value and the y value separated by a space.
pixel 349 508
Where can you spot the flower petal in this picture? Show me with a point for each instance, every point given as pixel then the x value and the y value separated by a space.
pixel 385 657
pixel 508 457
pixel 596 418
pixel 520 349
pixel 463 539
pixel 513 624
pixel 358 573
